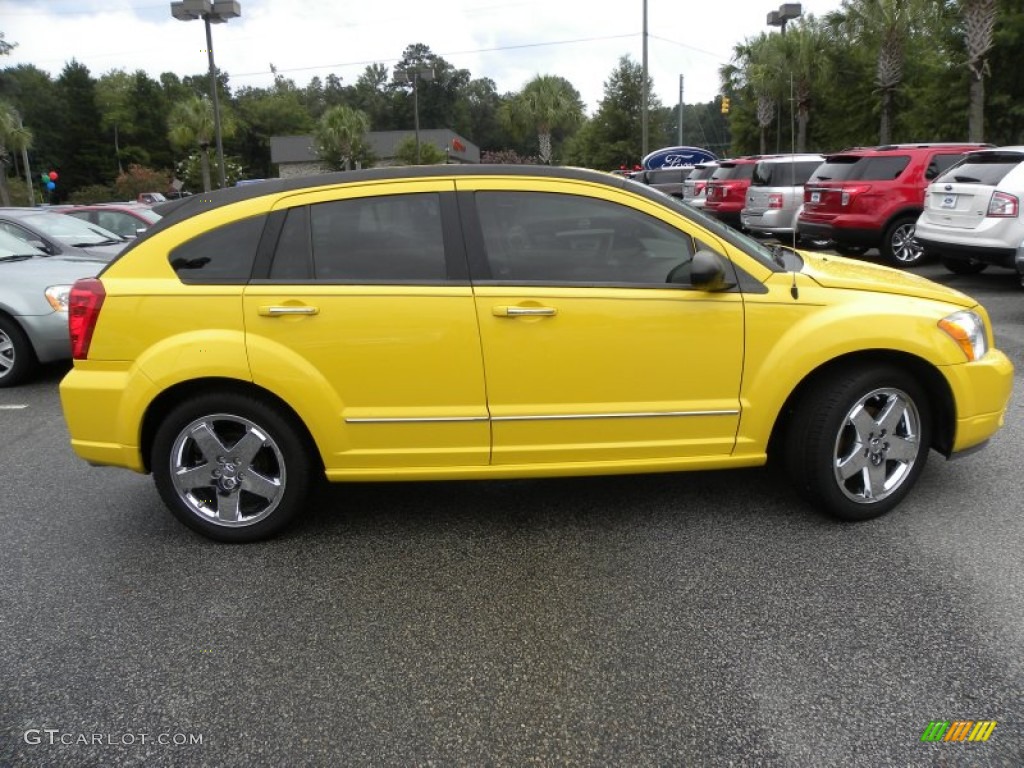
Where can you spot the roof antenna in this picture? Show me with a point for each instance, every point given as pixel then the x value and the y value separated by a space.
pixel 793 290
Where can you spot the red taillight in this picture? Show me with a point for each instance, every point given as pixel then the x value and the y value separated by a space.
pixel 84 305
pixel 850 193
pixel 698 187
pixel 774 201
pixel 1003 205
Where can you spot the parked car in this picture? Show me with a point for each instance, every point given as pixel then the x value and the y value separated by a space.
pixel 128 220
pixel 727 189
pixel 668 180
pixel 446 322
pixel 34 292
pixel 870 197
pixel 58 235
pixel 776 193
pixel 972 215
pixel 695 184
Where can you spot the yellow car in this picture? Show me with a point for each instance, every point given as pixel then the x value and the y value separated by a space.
pixel 506 321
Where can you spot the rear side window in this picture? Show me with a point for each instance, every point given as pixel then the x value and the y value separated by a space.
pixel 392 238
pixel 667 176
pixel 221 255
pixel 987 168
pixel 860 168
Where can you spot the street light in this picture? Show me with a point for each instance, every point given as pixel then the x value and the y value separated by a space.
pixel 211 12
pixel 414 75
pixel 786 13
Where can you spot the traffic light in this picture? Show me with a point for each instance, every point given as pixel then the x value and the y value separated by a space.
pixel 725 105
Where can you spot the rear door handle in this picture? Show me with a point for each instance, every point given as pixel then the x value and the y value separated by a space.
pixel 524 311
pixel 279 311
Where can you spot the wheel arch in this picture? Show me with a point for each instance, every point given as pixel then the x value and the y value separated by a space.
pixel 162 405
pixel 942 408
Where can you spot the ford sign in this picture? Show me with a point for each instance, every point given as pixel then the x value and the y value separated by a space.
pixel 673 157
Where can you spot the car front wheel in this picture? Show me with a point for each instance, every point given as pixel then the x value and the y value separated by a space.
pixel 899 247
pixel 858 441
pixel 232 467
pixel 17 358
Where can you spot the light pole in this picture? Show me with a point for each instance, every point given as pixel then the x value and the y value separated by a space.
pixel 644 119
pixel 414 75
pixel 211 12
pixel 787 12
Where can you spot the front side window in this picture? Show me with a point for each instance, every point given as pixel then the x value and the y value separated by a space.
pixel 221 255
pixel 537 237
pixel 392 238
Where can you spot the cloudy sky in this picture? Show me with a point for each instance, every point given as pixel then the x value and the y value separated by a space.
pixel 509 41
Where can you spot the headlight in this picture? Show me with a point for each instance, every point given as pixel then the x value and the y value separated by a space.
pixel 58 296
pixel 968 330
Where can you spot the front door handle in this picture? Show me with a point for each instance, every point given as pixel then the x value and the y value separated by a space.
pixel 279 311
pixel 524 311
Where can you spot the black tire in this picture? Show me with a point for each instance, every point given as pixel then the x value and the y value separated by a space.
pixel 899 247
pixel 17 357
pixel 813 243
pixel 963 266
pixel 858 471
pixel 850 250
pixel 249 479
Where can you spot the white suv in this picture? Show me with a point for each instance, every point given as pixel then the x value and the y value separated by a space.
pixel 972 215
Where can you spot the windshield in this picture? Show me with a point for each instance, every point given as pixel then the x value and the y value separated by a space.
pixel 70 230
pixel 13 246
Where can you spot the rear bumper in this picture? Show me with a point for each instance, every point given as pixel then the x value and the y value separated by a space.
pixel 868 238
pixel 998 256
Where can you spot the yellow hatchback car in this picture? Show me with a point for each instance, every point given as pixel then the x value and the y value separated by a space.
pixel 506 321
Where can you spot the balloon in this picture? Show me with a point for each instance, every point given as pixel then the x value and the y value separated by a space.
pixel 51 186
pixel 44 177
pixel 53 175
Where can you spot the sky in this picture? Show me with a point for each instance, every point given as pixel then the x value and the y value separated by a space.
pixel 508 41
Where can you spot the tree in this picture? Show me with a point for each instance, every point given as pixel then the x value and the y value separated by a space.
pixel 547 103
pixel 979 19
pixel 190 124
pixel 804 46
pixel 114 99
pixel 885 26
pixel 13 138
pixel 340 137
pixel 81 156
pixel 137 179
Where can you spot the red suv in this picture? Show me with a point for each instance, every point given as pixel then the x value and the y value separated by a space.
pixel 870 197
pixel 727 189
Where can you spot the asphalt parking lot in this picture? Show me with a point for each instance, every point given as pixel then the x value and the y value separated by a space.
pixel 663 620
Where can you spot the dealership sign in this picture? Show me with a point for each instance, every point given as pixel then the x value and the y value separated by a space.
pixel 673 157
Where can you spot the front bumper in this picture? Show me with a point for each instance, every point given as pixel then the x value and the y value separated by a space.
pixel 981 391
pixel 48 334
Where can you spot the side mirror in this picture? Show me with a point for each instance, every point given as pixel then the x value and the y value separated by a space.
pixel 707 272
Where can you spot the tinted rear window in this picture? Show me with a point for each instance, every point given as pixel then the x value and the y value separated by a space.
pixel 784 174
pixel 729 172
pixel 222 255
pixel 702 173
pixel 987 168
pixel 858 168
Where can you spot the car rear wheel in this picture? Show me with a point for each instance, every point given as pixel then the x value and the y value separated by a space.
pixel 963 266
pixel 858 441
pixel 899 247
pixel 232 467
pixel 17 358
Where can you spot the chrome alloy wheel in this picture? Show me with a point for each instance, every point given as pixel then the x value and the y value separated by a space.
pixel 7 354
pixel 877 445
pixel 905 249
pixel 227 470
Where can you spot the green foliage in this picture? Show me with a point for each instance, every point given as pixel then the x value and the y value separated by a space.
pixel 82 158
pixel 191 171
pixel 138 179
pixel 405 153
pixel 340 138
pixel 95 193
pixel 508 157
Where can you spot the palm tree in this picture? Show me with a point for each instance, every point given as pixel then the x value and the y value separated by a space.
pixel 13 138
pixel 758 65
pixel 804 47
pixel 548 103
pixel 191 124
pixel 340 136
pixel 979 18
pixel 885 25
